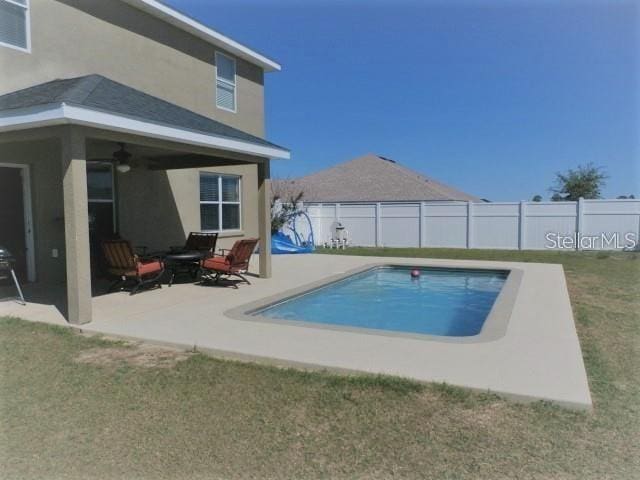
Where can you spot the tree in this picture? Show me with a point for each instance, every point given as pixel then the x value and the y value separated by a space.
pixel 557 198
pixel 586 181
pixel 625 197
pixel 536 198
pixel 285 201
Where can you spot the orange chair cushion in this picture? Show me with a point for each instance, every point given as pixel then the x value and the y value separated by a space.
pixel 146 268
pixel 216 263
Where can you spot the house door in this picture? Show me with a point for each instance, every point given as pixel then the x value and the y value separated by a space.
pixel 15 218
pixel 102 213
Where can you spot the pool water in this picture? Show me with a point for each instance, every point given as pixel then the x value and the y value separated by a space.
pixel 447 302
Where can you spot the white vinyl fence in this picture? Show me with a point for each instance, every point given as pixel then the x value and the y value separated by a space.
pixel 586 224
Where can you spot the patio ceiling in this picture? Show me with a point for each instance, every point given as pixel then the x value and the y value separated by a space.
pixel 154 155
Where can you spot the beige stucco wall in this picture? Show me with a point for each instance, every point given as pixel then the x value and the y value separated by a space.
pixel 43 158
pixel 71 38
pixel 158 209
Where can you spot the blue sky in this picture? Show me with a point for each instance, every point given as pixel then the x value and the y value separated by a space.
pixel 491 97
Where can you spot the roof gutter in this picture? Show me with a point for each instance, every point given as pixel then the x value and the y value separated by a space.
pixel 65 114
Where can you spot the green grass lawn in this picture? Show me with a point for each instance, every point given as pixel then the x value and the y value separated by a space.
pixel 82 407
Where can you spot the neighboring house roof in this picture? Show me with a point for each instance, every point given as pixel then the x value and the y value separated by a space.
pixel 95 100
pixel 371 178
pixel 184 22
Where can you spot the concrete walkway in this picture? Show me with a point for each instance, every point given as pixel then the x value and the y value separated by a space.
pixel 538 357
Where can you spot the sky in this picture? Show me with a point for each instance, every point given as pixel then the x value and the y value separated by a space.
pixel 491 97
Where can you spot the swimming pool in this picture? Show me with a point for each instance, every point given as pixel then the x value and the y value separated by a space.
pixel 442 301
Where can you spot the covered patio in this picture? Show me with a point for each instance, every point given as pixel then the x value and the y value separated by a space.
pixel 56 130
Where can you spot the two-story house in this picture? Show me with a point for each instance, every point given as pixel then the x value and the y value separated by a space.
pixel 125 117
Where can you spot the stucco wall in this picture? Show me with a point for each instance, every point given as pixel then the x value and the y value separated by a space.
pixel 158 209
pixel 43 158
pixel 71 38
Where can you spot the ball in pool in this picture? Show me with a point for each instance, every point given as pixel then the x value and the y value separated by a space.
pixel 415 273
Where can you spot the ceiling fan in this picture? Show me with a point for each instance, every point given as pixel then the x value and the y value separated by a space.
pixel 122 158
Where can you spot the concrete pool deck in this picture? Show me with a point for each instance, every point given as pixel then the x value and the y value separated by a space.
pixel 537 357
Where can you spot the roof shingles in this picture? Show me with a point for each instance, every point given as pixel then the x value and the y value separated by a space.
pixel 373 179
pixel 100 93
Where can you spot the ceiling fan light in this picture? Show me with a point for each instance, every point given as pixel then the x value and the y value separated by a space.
pixel 122 159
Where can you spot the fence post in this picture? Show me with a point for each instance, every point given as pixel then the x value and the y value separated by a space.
pixel 320 234
pixel 421 226
pixel 522 225
pixel 579 220
pixel 378 225
pixel 469 225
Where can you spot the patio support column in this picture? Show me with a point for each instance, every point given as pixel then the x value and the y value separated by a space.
pixel 76 226
pixel 264 218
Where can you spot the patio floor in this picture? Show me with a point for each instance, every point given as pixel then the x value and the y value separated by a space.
pixel 539 356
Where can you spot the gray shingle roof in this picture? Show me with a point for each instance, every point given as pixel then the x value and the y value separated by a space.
pixel 371 178
pixel 100 93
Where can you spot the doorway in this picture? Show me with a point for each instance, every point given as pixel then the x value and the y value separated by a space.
pixel 16 226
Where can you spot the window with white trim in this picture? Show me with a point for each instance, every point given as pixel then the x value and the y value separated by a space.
pixel 225 82
pixel 220 206
pixel 14 23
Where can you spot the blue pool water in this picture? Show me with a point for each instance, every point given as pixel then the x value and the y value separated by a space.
pixel 441 302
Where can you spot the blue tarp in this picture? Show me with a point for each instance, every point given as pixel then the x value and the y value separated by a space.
pixel 281 243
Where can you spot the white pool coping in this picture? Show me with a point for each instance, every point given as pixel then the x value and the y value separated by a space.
pixel 536 357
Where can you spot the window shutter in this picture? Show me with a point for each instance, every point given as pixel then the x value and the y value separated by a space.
pixel 13 24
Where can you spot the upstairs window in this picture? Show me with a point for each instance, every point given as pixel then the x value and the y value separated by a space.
pixel 219 202
pixel 225 82
pixel 14 24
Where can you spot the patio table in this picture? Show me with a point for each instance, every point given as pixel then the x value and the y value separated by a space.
pixel 182 263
